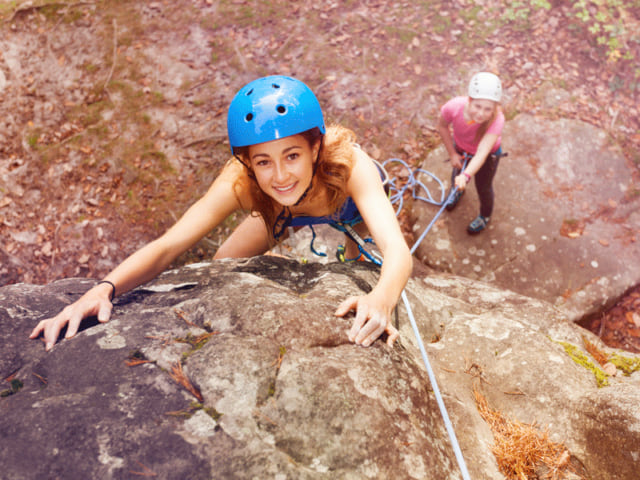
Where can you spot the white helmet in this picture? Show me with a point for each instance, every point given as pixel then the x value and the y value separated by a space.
pixel 485 85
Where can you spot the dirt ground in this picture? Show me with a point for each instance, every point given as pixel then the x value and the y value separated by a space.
pixel 114 111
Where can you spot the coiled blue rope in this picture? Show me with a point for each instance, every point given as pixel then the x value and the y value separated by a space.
pixel 413 184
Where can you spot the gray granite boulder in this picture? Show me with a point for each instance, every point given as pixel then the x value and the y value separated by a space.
pixel 271 388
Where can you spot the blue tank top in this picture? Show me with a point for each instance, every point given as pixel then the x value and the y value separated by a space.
pixel 348 214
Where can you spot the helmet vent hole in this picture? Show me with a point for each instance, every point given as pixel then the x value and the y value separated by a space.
pixel 249 117
pixel 249 92
pixel 275 85
pixel 281 109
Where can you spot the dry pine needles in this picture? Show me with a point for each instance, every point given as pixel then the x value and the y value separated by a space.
pixel 521 450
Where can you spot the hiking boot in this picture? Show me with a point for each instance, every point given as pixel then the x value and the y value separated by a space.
pixel 478 224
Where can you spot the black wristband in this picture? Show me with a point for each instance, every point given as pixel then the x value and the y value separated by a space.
pixel 113 288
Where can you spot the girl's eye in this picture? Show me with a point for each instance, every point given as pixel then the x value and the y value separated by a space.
pixel 262 163
pixel 293 156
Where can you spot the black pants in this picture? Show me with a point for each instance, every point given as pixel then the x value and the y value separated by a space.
pixel 484 181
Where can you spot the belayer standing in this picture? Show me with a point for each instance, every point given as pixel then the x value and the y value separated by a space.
pixel 286 165
pixel 471 127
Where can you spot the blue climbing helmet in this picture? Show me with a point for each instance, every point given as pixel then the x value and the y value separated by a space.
pixel 271 108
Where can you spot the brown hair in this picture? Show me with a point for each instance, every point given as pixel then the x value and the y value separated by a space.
pixel 331 173
pixel 484 126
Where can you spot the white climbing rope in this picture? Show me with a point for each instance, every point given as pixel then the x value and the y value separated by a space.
pixel 436 391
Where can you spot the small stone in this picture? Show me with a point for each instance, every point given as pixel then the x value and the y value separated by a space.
pixel 610 369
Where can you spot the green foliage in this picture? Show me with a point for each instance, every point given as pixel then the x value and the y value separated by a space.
pixel 32 140
pixel 238 14
pixel 519 12
pixel 441 26
pixel 610 23
pixel 6 7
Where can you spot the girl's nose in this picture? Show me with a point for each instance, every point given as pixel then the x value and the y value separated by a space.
pixel 280 173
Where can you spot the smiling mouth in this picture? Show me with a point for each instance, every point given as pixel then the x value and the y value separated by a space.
pixel 286 189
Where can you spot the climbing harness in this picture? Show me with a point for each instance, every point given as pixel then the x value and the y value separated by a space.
pixel 344 221
pixel 362 243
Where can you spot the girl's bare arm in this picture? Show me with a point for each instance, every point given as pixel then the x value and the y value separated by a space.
pixel 149 261
pixel 373 311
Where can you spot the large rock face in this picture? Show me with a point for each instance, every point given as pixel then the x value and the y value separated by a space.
pixel 277 391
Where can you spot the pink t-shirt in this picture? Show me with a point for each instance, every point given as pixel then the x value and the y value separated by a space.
pixel 464 133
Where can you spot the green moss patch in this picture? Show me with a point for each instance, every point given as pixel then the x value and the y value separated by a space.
pixel 627 365
pixel 16 385
pixel 583 360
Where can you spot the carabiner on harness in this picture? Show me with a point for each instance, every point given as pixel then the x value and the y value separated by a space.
pixel 372 255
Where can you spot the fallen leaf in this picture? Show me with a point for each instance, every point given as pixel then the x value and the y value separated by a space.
pixel 633 317
pixel 634 332
pixel 603 242
pixel 572 228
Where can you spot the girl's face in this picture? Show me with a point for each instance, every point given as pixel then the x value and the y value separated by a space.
pixel 284 167
pixel 480 110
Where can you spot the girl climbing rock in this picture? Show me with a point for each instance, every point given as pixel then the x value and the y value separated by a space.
pixel 286 165
pixel 471 128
